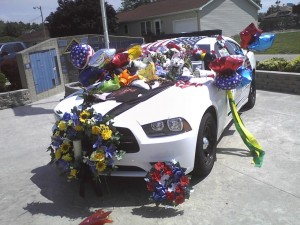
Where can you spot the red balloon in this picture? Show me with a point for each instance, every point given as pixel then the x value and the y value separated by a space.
pixel 121 59
pixel 226 64
pixel 247 35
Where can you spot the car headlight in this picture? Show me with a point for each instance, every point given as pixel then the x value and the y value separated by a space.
pixel 167 127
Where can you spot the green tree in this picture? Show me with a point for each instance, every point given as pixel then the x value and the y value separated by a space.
pixel 74 17
pixel 131 4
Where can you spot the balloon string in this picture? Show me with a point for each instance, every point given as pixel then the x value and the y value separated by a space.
pixel 247 137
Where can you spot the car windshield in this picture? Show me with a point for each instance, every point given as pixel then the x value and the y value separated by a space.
pixel 204 47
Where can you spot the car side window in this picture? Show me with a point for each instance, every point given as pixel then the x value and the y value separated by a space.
pixel 8 48
pixel 18 47
pixel 234 48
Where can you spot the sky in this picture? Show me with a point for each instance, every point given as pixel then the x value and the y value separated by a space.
pixel 22 10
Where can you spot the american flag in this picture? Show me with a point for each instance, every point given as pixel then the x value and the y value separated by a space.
pixel 178 41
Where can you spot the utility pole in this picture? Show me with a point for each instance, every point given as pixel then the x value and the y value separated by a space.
pixel 104 22
pixel 43 24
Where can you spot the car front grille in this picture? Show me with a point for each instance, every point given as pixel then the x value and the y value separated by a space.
pixel 128 142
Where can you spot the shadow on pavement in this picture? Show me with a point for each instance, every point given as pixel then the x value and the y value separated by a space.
pixel 63 199
pixel 29 110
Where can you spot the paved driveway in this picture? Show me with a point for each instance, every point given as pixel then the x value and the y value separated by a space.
pixel 32 193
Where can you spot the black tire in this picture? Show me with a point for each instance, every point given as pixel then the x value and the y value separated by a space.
pixel 205 156
pixel 252 94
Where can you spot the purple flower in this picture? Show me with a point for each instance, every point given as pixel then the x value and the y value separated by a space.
pixel 109 152
pixel 159 193
pixel 98 142
pixel 66 117
pixel 98 117
pixel 75 119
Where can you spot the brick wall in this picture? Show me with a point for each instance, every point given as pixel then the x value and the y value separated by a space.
pixel 278 81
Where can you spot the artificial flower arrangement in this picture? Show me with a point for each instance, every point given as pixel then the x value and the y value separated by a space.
pixel 168 183
pixel 84 137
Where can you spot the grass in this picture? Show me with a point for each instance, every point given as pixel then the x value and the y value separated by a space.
pixel 285 43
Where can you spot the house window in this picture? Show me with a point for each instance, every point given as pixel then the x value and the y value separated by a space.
pixel 125 29
pixel 157 26
pixel 146 27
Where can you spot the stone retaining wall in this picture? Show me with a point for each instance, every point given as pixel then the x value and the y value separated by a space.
pixel 278 81
pixel 14 98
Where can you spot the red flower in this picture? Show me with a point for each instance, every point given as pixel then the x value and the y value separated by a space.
pixel 179 199
pixel 150 186
pixel 167 170
pixel 155 176
pixel 184 181
pixel 159 166
pixel 170 196
pixel 178 189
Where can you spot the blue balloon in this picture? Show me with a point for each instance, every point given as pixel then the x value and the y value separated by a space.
pixel 246 75
pixel 90 75
pixel 262 42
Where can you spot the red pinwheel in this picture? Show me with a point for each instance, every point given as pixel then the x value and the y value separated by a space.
pixel 98 218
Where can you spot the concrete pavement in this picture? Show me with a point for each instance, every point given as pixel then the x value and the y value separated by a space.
pixel 236 192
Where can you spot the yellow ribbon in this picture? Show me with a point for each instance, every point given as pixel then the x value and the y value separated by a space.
pixel 246 136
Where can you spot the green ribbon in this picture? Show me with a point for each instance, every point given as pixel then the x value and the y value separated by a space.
pixel 247 137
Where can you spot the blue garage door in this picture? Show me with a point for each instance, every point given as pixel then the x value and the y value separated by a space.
pixel 45 70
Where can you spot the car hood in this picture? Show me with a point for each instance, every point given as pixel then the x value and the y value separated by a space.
pixel 173 101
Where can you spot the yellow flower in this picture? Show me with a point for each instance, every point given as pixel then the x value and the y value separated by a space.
pixel 98 156
pixel 65 146
pixel 84 116
pixel 58 154
pixel 62 126
pixel 67 157
pixel 73 174
pixel 96 130
pixel 79 128
pixel 100 166
pixel 106 134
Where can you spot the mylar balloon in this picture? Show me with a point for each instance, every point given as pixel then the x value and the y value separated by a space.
pixel 228 81
pixel 80 55
pixel 102 57
pixel 262 43
pixel 247 35
pixel 90 75
pixel 246 75
pixel 226 64
pixel 121 59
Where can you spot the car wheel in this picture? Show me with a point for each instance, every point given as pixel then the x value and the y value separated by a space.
pixel 252 94
pixel 206 146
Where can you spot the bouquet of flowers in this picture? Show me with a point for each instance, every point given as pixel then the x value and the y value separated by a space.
pixel 85 137
pixel 168 183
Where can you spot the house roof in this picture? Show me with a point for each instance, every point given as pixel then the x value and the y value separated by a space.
pixel 161 7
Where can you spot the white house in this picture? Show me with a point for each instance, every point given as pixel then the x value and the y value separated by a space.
pixel 176 16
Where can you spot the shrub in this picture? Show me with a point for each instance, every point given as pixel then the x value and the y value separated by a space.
pixel 10 68
pixel 293 65
pixel 273 64
pixel 3 81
